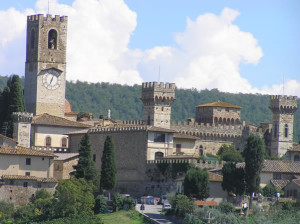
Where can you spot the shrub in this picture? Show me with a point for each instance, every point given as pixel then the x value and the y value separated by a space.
pixel 43 194
pixel 100 204
pixel 6 210
pixel 226 207
pixel 117 202
pixel 128 203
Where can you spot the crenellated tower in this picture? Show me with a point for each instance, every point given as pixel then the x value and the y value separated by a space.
pixel 157 99
pixel 22 128
pixel 283 109
pixel 45 69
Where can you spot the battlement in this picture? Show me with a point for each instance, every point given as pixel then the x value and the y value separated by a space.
pixel 158 86
pixel 118 129
pixel 134 122
pixel 283 103
pixel 40 17
pixel 22 117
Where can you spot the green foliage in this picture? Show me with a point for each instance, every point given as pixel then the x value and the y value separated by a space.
pixel 74 220
pixel 25 213
pixel 100 204
pixel 226 207
pixel 269 191
pixel 40 194
pixel 6 210
pixel 179 167
pixel 196 183
pixel 233 179
pixel 108 165
pixel 162 167
pixel 225 148
pixel 86 167
pixel 254 158
pixel 82 114
pixel 182 205
pixel 75 197
pixel 128 203
pixel 232 156
pixel 117 202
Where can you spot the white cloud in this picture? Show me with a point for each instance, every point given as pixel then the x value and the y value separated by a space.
pixel 208 52
pixel 290 87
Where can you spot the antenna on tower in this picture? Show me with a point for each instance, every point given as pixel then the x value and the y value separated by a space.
pixel 283 85
pixel 159 73
pixel 48 7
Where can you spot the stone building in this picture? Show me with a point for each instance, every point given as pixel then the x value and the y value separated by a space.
pixel 63 165
pixel 23 171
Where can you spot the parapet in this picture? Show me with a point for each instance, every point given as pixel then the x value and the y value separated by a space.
pixel 133 122
pixel 158 86
pixel 117 129
pixel 22 117
pixel 279 102
pixel 40 17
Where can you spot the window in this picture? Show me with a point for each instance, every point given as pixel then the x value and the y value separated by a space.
pixel 286 131
pixel 48 141
pixel 25 184
pixel 148 121
pixel 277 176
pixel 94 157
pixel 28 161
pixel 159 137
pixel 296 158
pixel 201 150
pixel 52 39
pixel 64 142
pixel 27 174
pixel 32 38
pixel 178 147
pixel 275 131
pixel 39 185
pixel 159 155
pixel 11 182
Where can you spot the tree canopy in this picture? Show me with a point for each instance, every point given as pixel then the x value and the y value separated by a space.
pixel 233 178
pixel 108 166
pixel 196 183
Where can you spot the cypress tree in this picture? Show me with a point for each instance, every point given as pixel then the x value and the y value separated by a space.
pixel 4 110
pixel 16 98
pixel 86 167
pixel 108 166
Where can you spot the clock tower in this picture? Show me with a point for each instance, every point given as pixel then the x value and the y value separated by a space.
pixel 45 69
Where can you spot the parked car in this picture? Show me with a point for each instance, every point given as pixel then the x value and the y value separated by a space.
pixel 166 206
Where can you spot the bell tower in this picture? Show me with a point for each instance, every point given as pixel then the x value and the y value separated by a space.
pixel 157 99
pixel 283 109
pixel 45 67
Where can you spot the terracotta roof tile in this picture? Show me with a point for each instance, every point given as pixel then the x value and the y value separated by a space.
pixel 297 182
pixel 47 119
pixel 19 177
pixel 219 104
pixel 206 203
pixel 65 156
pixel 295 148
pixel 158 129
pixel 279 184
pixel 25 151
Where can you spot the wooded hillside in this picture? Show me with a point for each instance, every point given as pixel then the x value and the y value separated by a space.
pixel 125 104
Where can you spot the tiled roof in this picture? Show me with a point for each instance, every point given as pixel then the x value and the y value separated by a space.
pixel 219 104
pixel 65 156
pixel 47 119
pixel 206 203
pixel 279 184
pixel 10 139
pixel 19 177
pixel 25 151
pixel 184 136
pixel 278 166
pixel 213 177
pixel 297 182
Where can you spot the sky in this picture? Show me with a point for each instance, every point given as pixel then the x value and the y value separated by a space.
pixel 232 45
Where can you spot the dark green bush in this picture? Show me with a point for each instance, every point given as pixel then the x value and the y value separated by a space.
pixel 100 204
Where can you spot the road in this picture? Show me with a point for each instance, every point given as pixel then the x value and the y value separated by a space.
pixel 153 211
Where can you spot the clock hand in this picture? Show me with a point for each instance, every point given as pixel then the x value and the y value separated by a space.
pixel 51 80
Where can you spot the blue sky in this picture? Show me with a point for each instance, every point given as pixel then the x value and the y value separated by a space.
pixel 144 35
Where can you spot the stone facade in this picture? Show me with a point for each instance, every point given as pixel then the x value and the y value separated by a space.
pixel 157 99
pixel 283 109
pixel 45 70
pixel 22 127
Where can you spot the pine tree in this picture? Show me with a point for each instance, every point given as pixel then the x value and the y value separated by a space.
pixel 85 167
pixel 108 166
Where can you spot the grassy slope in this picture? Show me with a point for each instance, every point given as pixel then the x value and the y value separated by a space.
pixel 124 217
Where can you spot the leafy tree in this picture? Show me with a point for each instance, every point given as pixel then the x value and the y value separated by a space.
pixel 40 194
pixel 183 205
pixel 232 156
pixel 75 197
pixel 196 183
pixel 233 179
pixel 6 210
pixel 226 207
pixel 108 166
pixel 86 167
pixel 254 158
pixel 100 204
pixel 269 191
pixel 128 203
pixel 117 202
pixel 82 115
pixel 225 148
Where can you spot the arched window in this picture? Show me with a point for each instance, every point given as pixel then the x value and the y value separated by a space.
pixel 52 39
pixel 296 158
pixel 32 38
pixel 286 130
pixel 201 150
pixel 148 121
pixel 64 142
pixel 48 141
pixel 159 155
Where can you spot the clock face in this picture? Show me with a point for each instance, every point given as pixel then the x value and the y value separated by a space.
pixel 51 79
